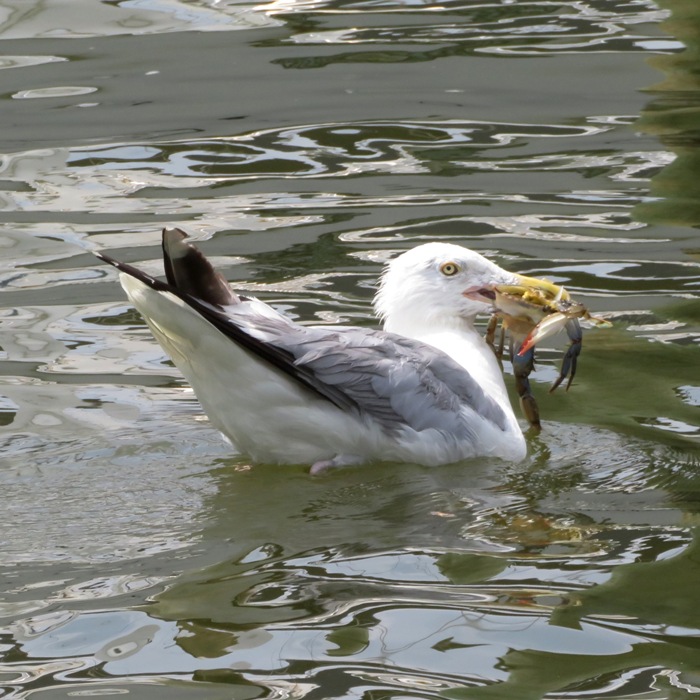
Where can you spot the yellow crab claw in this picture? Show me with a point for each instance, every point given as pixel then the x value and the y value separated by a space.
pixel 543 288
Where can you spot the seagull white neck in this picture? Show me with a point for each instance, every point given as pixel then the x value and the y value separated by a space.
pixel 420 327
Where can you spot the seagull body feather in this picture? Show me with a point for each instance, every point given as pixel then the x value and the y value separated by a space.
pixel 426 389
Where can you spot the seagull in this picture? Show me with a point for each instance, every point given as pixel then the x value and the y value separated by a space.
pixel 426 389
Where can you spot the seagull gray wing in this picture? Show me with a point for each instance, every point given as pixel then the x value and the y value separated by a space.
pixel 397 381
pixel 238 328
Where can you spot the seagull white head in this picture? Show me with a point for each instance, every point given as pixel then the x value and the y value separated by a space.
pixel 437 285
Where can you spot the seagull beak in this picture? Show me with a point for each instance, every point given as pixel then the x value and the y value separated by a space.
pixel 485 294
pixel 518 286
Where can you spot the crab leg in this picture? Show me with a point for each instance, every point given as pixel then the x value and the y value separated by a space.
pixel 490 338
pixel 523 364
pixel 568 366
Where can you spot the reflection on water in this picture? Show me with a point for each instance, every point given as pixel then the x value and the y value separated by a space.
pixel 67 19
pixel 412 582
pixel 672 116
pixel 139 554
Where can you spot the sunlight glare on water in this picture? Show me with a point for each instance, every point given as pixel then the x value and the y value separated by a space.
pixel 304 143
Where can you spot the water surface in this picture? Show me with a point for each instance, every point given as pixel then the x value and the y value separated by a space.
pixel 305 143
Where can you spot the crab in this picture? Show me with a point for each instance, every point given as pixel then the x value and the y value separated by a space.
pixel 531 312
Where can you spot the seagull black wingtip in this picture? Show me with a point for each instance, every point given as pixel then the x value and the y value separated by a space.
pixel 211 311
pixel 134 272
pixel 104 257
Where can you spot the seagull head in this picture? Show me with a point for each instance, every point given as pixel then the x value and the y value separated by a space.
pixel 437 285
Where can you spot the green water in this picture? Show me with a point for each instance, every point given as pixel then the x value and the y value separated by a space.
pixel 304 143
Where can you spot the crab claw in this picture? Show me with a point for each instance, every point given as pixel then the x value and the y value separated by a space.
pixel 549 326
pixel 568 366
pixel 534 309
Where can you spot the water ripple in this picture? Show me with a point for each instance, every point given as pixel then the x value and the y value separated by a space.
pixel 141 555
pixel 508 29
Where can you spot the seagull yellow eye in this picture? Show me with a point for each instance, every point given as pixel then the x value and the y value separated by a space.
pixel 449 268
